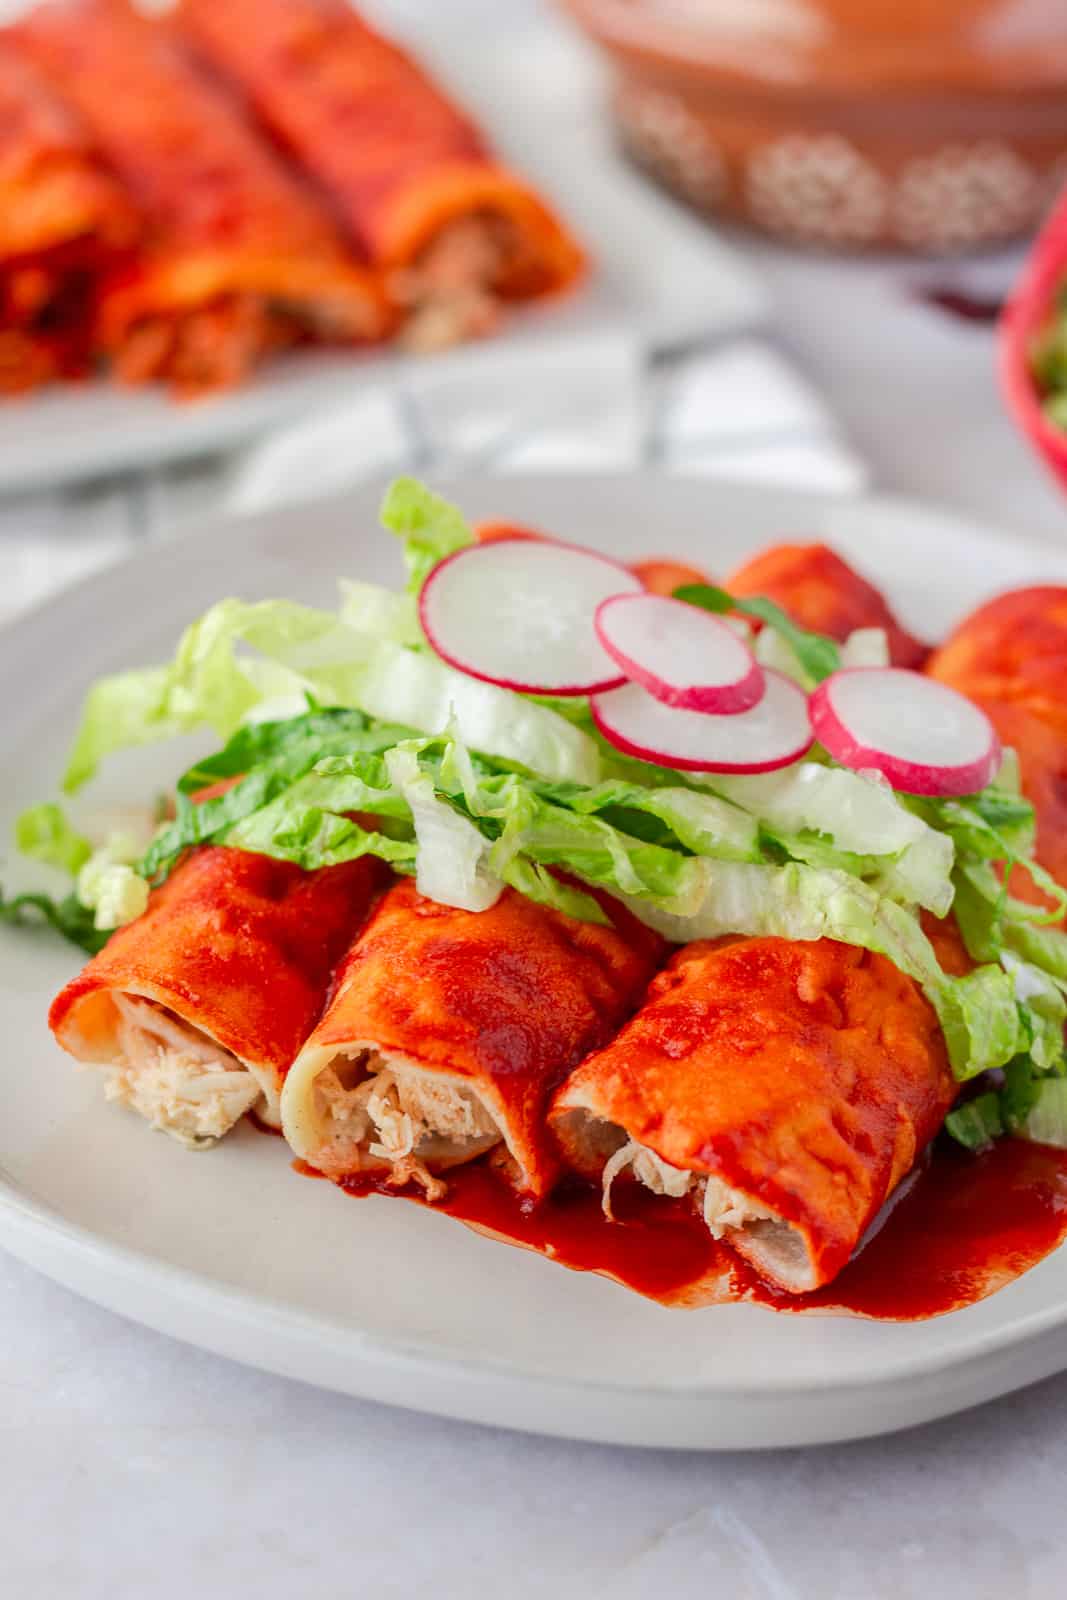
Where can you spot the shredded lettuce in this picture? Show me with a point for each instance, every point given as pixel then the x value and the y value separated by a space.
pixel 205 684
pixel 983 1024
pixel 319 836
pixel 1026 1104
pixel 43 833
pixel 976 1123
pixel 1046 1120
pixel 994 825
pixel 210 682
pixel 772 650
pixel 108 886
pixel 310 822
pixel 108 892
pixel 267 759
pixel 405 686
pixel 702 823
pixel 855 813
pixel 866 647
pixel 371 609
pixel 452 859
pixel 816 655
pixel 66 916
pixel 113 892
pixel 430 526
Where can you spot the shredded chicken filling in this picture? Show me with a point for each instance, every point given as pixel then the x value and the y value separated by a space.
pixel 403 1117
pixel 723 1209
pixel 175 1077
pixel 451 292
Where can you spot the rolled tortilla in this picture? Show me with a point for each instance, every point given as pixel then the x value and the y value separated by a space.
pixel 63 223
pixel 822 592
pixel 411 176
pixel 198 1007
pixel 241 258
pixel 447 1031
pixel 1010 657
pixel 786 1087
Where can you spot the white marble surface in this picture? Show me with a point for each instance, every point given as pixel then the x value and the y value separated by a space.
pixel 133 1466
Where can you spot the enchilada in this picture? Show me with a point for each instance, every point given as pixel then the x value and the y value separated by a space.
pixel 784 1088
pixel 1010 657
pixel 197 1008
pixel 821 592
pixel 448 1029
pixel 455 233
pixel 240 259
pixel 63 221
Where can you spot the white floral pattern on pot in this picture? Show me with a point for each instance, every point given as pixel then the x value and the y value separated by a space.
pixel 664 135
pixel 817 188
pixel 963 194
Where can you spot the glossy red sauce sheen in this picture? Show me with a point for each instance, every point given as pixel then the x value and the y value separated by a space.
pixel 967 1226
pixel 964 1227
pixel 657 1247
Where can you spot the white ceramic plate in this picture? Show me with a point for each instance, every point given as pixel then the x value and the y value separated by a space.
pixel 232 1251
pixel 656 270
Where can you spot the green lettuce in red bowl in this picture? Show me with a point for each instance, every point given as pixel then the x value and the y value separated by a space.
pixel 1033 345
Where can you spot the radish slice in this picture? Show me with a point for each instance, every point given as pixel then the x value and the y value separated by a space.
pixel 773 734
pixel 919 734
pixel 683 656
pixel 519 613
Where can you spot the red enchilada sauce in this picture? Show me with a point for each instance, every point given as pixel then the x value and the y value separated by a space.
pixel 965 1227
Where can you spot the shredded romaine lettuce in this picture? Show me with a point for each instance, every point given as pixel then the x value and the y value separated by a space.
pixel 866 647
pixel 452 857
pixel 113 892
pixel 43 833
pixel 66 916
pixel 976 1123
pixel 108 885
pixel 267 760
pixel 209 683
pixel 380 613
pixel 430 526
pixel 816 655
pixel 205 684
pixel 416 689
pixel 1046 1121
pixel 857 813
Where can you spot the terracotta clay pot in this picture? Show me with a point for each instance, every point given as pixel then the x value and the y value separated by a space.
pixel 920 124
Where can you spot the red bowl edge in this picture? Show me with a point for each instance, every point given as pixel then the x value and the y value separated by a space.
pixel 1024 314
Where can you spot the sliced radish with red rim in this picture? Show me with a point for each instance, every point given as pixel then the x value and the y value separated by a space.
pixel 774 733
pixel 519 613
pixel 919 734
pixel 683 656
